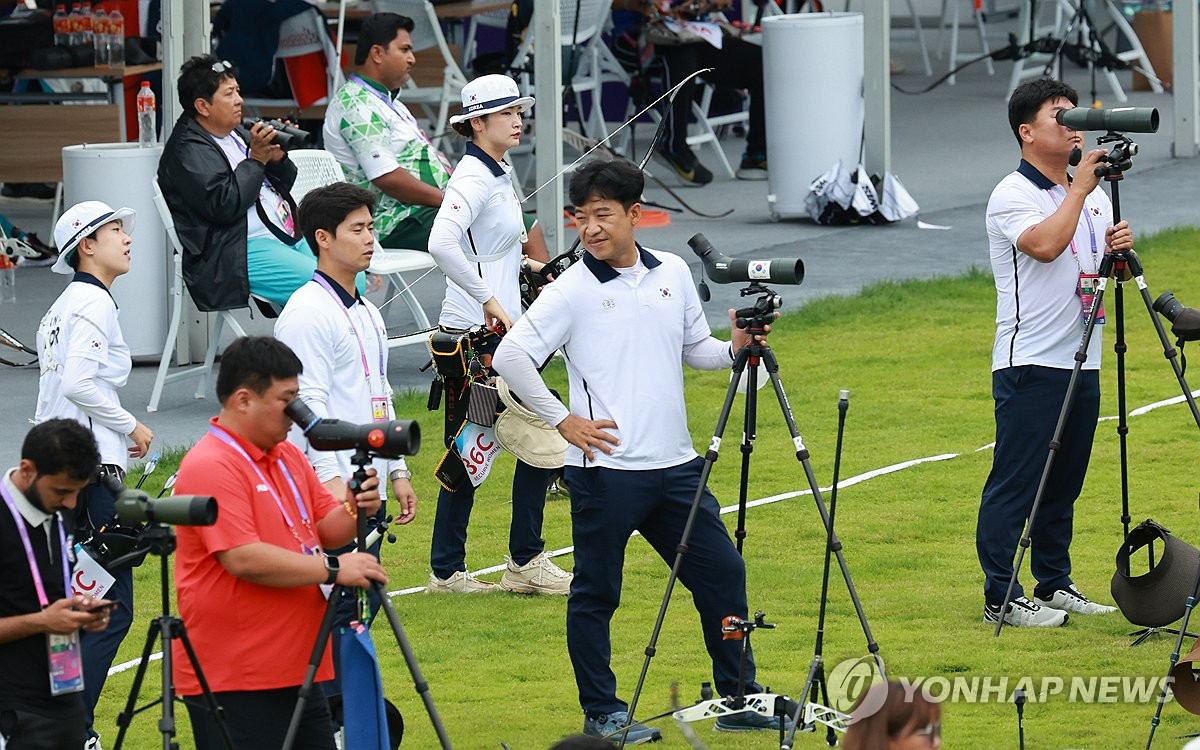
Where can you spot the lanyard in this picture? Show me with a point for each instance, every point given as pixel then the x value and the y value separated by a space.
pixel 402 112
pixel 226 438
pixel 246 152
pixel 362 352
pixel 34 570
pixel 1091 233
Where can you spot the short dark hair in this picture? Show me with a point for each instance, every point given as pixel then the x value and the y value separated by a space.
pixel 381 29
pixel 198 80
pixel 616 179
pixel 59 445
pixel 1028 98
pixel 327 207
pixel 255 362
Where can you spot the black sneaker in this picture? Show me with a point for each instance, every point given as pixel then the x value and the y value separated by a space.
pixel 753 167
pixel 686 165
pixel 751 721
pixel 41 191
pixel 43 250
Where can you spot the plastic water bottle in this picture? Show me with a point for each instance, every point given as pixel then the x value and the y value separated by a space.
pixel 145 110
pixel 62 26
pixel 75 19
pixel 100 38
pixel 116 39
pixel 8 280
pixel 86 18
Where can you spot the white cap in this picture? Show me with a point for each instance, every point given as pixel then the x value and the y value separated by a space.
pixel 78 222
pixel 488 94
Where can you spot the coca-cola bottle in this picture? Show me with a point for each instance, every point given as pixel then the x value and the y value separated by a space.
pixel 100 38
pixel 85 19
pixel 62 26
pixel 75 19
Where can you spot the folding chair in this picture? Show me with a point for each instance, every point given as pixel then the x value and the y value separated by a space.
pixel 312 63
pixel 316 167
pixel 219 321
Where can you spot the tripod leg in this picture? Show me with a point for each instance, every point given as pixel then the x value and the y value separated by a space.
pixel 1103 272
pixel 414 669
pixel 835 543
pixel 314 663
pixel 1122 410
pixel 1162 696
pixel 749 433
pixel 210 700
pixel 710 457
pixel 126 716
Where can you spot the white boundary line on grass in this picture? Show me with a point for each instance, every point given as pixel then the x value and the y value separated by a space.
pixel 866 476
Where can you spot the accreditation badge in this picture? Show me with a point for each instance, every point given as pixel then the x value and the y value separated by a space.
pixel 1089 284
pixel 379 408
pixel 66 663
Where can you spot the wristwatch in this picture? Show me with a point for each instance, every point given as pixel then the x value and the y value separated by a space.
pixel 400 474
pixel 332 566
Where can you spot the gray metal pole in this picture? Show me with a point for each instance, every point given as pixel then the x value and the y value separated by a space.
pixel 1186 49
pixel 877 92
pixel 547 131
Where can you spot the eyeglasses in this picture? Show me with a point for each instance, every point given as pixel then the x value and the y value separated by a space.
pixel 932 731
pixel 221 66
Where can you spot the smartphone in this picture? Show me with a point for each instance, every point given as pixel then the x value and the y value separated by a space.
pixel 100 605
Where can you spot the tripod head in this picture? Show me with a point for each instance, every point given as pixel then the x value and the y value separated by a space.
pixel 1119 158
pixel 755 318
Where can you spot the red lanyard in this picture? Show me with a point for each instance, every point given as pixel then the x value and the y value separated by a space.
pixel 34 570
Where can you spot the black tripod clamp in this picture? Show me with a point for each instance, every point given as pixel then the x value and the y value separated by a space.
pixel 1119 158
pixel 754 320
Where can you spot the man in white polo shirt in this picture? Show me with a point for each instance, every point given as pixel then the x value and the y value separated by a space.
pixel 1047 233
pixel 625 317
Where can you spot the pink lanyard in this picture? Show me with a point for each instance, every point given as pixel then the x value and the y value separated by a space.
pixel 34 570
pixel 226 438
pixel 1091 234
pixel 403 114
pixel 361 349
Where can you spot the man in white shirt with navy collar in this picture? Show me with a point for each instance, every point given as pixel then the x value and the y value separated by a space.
pixel 625 317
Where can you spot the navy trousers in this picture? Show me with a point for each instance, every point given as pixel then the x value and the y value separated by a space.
pixel 1028 402
pixel 607 505
pixel 100 648
pixel 448 551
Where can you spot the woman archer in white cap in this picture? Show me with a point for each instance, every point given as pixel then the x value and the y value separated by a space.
pixel 476 241
pixel 84 361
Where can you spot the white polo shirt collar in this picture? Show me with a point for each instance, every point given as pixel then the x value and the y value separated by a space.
pixel 343 296
pixel 86 278
pixel 1031 173
pixel 605 273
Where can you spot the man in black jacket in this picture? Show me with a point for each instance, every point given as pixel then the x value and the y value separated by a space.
pixel 227 189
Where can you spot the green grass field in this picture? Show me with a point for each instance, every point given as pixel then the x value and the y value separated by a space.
pixel 916 359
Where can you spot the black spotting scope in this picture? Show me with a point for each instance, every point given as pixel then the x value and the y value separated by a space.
pixel 1120 119
pixel 400 437
pixel 134 507
pixel 1185 321
pixel 725 270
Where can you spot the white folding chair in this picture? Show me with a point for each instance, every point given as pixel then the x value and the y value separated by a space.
pixel 427 34
pixel 952 15
pixel 315 168
pixel 304 34
pixel 219 321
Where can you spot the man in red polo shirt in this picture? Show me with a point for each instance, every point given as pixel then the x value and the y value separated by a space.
pixel 249 587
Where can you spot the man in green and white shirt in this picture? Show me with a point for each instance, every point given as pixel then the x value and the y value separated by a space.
pixel 382 148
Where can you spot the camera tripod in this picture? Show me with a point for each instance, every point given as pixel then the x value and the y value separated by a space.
pixel 1120 263
pixel 755 320
pixel 161 541
pixel 361 460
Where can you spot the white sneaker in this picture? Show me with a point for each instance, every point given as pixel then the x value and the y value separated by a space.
pixel 538 576
pixel 1023 613
pixel 1070 600
pixel 461 582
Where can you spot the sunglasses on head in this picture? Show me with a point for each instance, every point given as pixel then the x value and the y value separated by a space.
pixel 221 66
